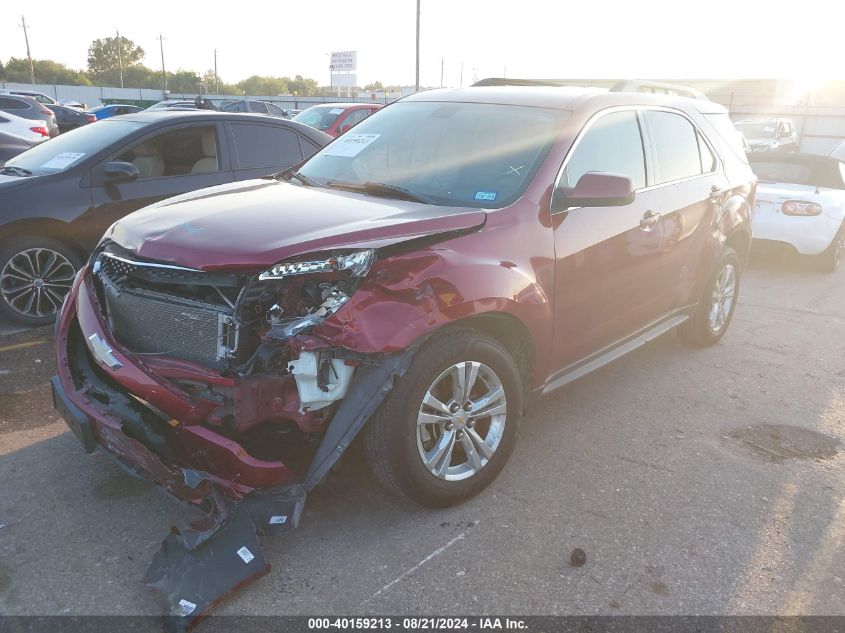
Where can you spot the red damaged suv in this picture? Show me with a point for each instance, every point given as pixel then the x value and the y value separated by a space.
pixel 420 279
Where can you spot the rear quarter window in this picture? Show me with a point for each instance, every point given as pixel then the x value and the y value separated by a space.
pixel 675 145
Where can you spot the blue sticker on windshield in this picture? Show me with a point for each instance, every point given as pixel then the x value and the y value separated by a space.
pixel 485 195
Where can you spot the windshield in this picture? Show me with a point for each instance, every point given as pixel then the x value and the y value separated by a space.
pixel 757 129
pixel 320 117
pixel 68 149
pixel 461 154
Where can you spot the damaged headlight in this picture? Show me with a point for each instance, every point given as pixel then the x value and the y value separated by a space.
pixel 358 264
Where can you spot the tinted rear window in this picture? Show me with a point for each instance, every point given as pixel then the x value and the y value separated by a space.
pixel 675 145
pixel 815 173
pixel 265 146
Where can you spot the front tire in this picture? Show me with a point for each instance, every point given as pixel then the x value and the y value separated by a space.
pixel 35 275
pixel 451 423
pixel 714 312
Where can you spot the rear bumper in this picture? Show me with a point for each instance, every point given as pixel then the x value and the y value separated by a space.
pixel 808 235
pixel 106 407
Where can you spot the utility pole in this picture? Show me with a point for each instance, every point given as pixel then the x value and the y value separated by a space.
pixel 418 45
pixel 216 78
pixel 163 72
pixel 441 72
pixel 462 75
pixel 28 55
pixel 119 57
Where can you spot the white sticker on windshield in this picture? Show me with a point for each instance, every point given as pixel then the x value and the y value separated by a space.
pixel 60 161
pixel 351 145
pixel 335 110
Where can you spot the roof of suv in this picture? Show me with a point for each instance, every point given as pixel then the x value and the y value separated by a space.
pixel 564 98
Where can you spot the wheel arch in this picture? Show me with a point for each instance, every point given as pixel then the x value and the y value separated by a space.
pixel 511 333
pixel 740 241
pixel 45 227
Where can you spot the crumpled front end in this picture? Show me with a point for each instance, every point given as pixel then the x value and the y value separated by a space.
pixel 214 387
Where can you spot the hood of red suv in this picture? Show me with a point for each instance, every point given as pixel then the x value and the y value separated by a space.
pixel 257 223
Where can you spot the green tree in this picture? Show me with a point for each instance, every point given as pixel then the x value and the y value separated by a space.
pixel 183 81
pixel 46 72
pixel 103 60
pixel 302 87
pixel 2 71
pixel 257 85
pixel 376 85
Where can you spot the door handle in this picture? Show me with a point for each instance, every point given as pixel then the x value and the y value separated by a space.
pixel 648 219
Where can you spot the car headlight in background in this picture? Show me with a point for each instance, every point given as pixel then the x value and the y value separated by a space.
pixel 358 264
pixel 801 208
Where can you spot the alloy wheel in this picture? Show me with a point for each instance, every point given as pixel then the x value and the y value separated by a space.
pixel 34 282
pixel 724 293
pixel 461 421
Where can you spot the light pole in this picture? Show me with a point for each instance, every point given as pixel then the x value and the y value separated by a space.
pixel 163 72
pixel 119 58
pixel 216 78
pixel 28 55
pixel 418 46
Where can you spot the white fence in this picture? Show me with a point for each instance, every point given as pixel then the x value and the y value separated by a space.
pixel 94 96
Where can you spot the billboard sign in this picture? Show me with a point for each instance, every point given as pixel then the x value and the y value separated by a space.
pixel 344 61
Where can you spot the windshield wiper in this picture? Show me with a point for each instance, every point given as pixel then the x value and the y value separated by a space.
pixel 17 171
pixel 381 189
pixel 290 172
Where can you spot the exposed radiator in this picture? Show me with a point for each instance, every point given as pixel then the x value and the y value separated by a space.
pixel 147 322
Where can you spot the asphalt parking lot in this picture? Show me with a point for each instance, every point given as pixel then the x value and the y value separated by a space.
pixel 697 482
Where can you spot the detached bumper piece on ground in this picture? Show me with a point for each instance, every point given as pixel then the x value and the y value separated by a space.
pixel 204 561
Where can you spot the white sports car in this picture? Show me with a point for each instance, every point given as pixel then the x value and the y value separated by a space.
pixel 801 202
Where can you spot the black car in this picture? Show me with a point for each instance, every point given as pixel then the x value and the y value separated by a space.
pixel 69 118
pixel 260 107
pixel 11 145
pixel 58 198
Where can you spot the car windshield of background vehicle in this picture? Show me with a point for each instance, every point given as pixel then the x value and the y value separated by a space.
pixel 757 130
pixel 320 117
pixel 460 154
pixel 68 149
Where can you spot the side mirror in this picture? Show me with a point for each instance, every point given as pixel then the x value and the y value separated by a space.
pixel 119 171
pixel 597 189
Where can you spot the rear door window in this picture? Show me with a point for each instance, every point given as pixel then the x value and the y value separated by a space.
pixel 675 142
pixel 10 103
pixel 611 144
pixel 265 146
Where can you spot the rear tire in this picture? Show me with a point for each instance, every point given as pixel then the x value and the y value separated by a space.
pixel 35 275
pixel 714 312
pixel 461 450
pixel 829 260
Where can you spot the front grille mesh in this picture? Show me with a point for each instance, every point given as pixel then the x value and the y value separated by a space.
pixel 148 322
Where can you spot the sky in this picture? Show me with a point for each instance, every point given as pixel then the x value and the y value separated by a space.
pixel 716 39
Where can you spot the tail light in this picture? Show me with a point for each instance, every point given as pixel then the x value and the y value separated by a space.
pixel 41 129
pixel 91 118
pixel 798 207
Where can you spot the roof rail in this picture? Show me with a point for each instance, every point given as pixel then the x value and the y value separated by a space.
pixel 658 87
pixel 502 81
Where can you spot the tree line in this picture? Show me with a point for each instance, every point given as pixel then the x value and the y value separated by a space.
pixel 107 55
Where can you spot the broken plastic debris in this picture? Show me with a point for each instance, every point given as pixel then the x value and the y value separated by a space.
pixel 276 520
pixel 186 607
pixel 245 554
